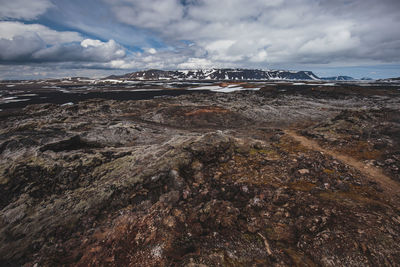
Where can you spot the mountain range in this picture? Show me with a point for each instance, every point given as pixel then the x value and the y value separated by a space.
pixel 227 74
pixel 219 74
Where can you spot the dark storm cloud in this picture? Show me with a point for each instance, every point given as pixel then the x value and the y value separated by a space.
pixel 20 47
pixel 100 52
pixel 32 49
pixel 21 43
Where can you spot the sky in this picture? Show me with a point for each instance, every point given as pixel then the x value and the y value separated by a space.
pixel 97 38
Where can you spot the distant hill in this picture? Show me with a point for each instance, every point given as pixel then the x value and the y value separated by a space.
pixel 395 80
pixel 338 78
pixel 219 74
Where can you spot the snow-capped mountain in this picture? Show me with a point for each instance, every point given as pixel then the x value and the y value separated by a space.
pixel 338 78
pixel 220 74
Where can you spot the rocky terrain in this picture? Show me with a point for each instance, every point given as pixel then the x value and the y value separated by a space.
pixel 284 176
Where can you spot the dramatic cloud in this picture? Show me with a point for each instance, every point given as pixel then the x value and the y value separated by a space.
pixel 181 56
pixel 10 29
pixel 19 48
pixel 52 70
pixel 170 34
pixel 23 9
pixel 148 14
pixel 88 50
pixel 273 32
pixel 36 43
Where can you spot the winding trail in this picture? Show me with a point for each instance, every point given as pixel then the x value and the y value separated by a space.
pixel 390 187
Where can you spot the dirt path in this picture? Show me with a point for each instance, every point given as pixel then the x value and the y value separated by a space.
pixel 372 173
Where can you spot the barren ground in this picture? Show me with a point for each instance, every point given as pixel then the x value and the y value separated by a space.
pixel 284 176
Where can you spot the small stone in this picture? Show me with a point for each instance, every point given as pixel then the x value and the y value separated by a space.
pixel 245 189
pixel 170 198
pixel 343 186
pixel 380 163
pixel 303 171
pixel 157 252
pixel 224 158
pixel 179 215
pixel 15 214
pixel 217 175
pixel 204 192
pixel 198 177
pixel 390 161
pixel 186 194
pixel 197 165
pixel 394 168
pixel 169 221
pixel 275 138
pixel 173 173
pixel 258 146
pixel 177 181
pixel 252 228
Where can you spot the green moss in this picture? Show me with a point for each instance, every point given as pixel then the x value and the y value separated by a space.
pixel 278 232
pixel 242 150
pixel 255 151
pixel 328 171
pixel 270 154
pixel 3 180
pixel 356 195
pixel 302 186
pixel 287 144
pixel 253 238
pixel 119 168
pixel 362 150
